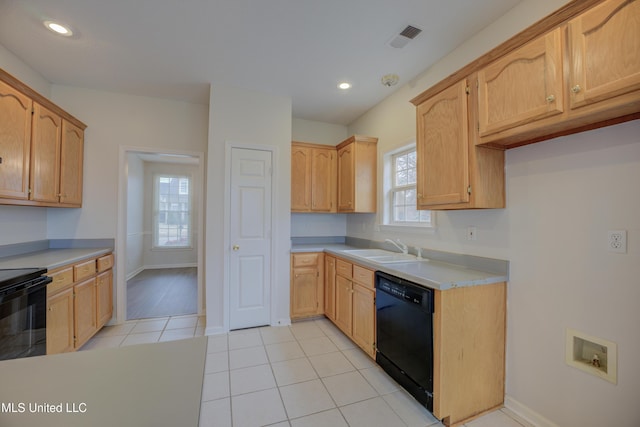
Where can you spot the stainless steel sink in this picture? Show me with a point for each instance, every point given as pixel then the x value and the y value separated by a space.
pixel 381 256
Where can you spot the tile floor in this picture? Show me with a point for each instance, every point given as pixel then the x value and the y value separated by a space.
pixel 305 375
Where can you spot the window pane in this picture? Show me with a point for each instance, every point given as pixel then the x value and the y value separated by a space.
pixel 411 159
pixel 173 207
pixel 411 176
pixel 402 197
pixel 411 197
pixel 401 177
pixel 398 214
pixel 401 162
pixel 399 198
pixel 411 214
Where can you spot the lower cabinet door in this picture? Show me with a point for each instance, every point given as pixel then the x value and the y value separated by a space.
pixel 330 288
pixel 85 311
pixel 104 294
pixel 60 322
pixel 344 298
pixel 364 318
pixel 304 292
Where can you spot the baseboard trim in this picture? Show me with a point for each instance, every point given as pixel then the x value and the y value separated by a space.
pixel 183 265
pixel 214 330
pixel 134 273
pixel 282 322
pixel 157 267
pixel 526 413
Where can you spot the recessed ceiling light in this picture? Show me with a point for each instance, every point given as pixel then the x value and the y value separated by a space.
pixel 344 85
pixel 58 28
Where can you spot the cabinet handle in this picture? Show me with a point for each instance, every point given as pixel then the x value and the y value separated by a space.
pixel 236 247
pixel 576 89
pixel 551 98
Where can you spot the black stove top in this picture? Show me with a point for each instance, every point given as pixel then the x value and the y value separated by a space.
pixel 12 276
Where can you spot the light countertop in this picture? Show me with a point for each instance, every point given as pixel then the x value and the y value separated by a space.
pixel 427 272
pixel 51 258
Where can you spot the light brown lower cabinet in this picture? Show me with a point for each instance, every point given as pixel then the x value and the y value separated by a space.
pixel 330 287
pixel 469 325
pixel 60 324
pixel 307 290
pixel 468 351
pixel 79 303
pixel 355 306
pixel 84 311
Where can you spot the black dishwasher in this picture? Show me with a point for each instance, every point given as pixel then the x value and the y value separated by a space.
pixel 404 330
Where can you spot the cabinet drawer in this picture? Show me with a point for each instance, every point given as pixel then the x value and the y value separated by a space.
pixel 84 270
pixel 60 280
pixel 363 276
pixel 105 263
pixel 344 268
pixel 305 260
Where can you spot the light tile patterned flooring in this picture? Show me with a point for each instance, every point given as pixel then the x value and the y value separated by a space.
pixel 305 375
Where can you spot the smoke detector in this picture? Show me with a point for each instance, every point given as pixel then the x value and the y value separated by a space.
pixel 401 39
pixel 390 80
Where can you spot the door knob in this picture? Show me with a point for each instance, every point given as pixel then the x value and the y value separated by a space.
pixel 236 247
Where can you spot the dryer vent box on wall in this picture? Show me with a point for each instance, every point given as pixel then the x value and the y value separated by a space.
pixel 595 356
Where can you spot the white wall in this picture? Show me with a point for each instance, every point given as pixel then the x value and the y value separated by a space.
pixel 114 120
pixel 167 257
pixel 247 117
pixel 562 197
pixel 22 223
pixel 135 215
pixel 317 132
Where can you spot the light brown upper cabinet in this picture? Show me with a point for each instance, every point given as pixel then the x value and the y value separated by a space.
pixel 71 164
pixel 357 171
pixel 523 86
pixel 575 70
pixel 604 59
pixel 313 178
pixel 41 149
pixel 45 155
pixel 452 172
pixel 15 142
pixel 334 179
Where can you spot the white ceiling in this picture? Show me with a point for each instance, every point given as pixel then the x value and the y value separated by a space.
pixel 295 48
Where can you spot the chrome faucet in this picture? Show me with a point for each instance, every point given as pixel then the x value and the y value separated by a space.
pixel 398 244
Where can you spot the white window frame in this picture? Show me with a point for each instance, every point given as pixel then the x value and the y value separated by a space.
pixel 386 222
pixel 156 209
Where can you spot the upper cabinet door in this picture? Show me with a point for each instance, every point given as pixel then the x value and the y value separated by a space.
pixel 300 178
pixel 523 86
pixel 605 42
pixel 346 178
pixel 15 142
pixel 45 155
pixel 71 161
pixel 323 180
pixel 442 148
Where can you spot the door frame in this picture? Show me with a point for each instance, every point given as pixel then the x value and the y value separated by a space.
pixel 120 297
pixel 229 146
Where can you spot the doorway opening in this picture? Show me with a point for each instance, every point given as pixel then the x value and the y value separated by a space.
pixel 160 245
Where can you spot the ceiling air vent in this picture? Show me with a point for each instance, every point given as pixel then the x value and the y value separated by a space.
pixel 401 40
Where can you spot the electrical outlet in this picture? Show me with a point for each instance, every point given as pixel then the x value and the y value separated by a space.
pixel 471 233
pixel 617 241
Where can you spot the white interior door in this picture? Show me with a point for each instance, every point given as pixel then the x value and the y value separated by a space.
pixel 250 239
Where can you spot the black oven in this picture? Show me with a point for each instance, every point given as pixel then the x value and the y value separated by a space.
pixel 23 315
pixel 404 335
